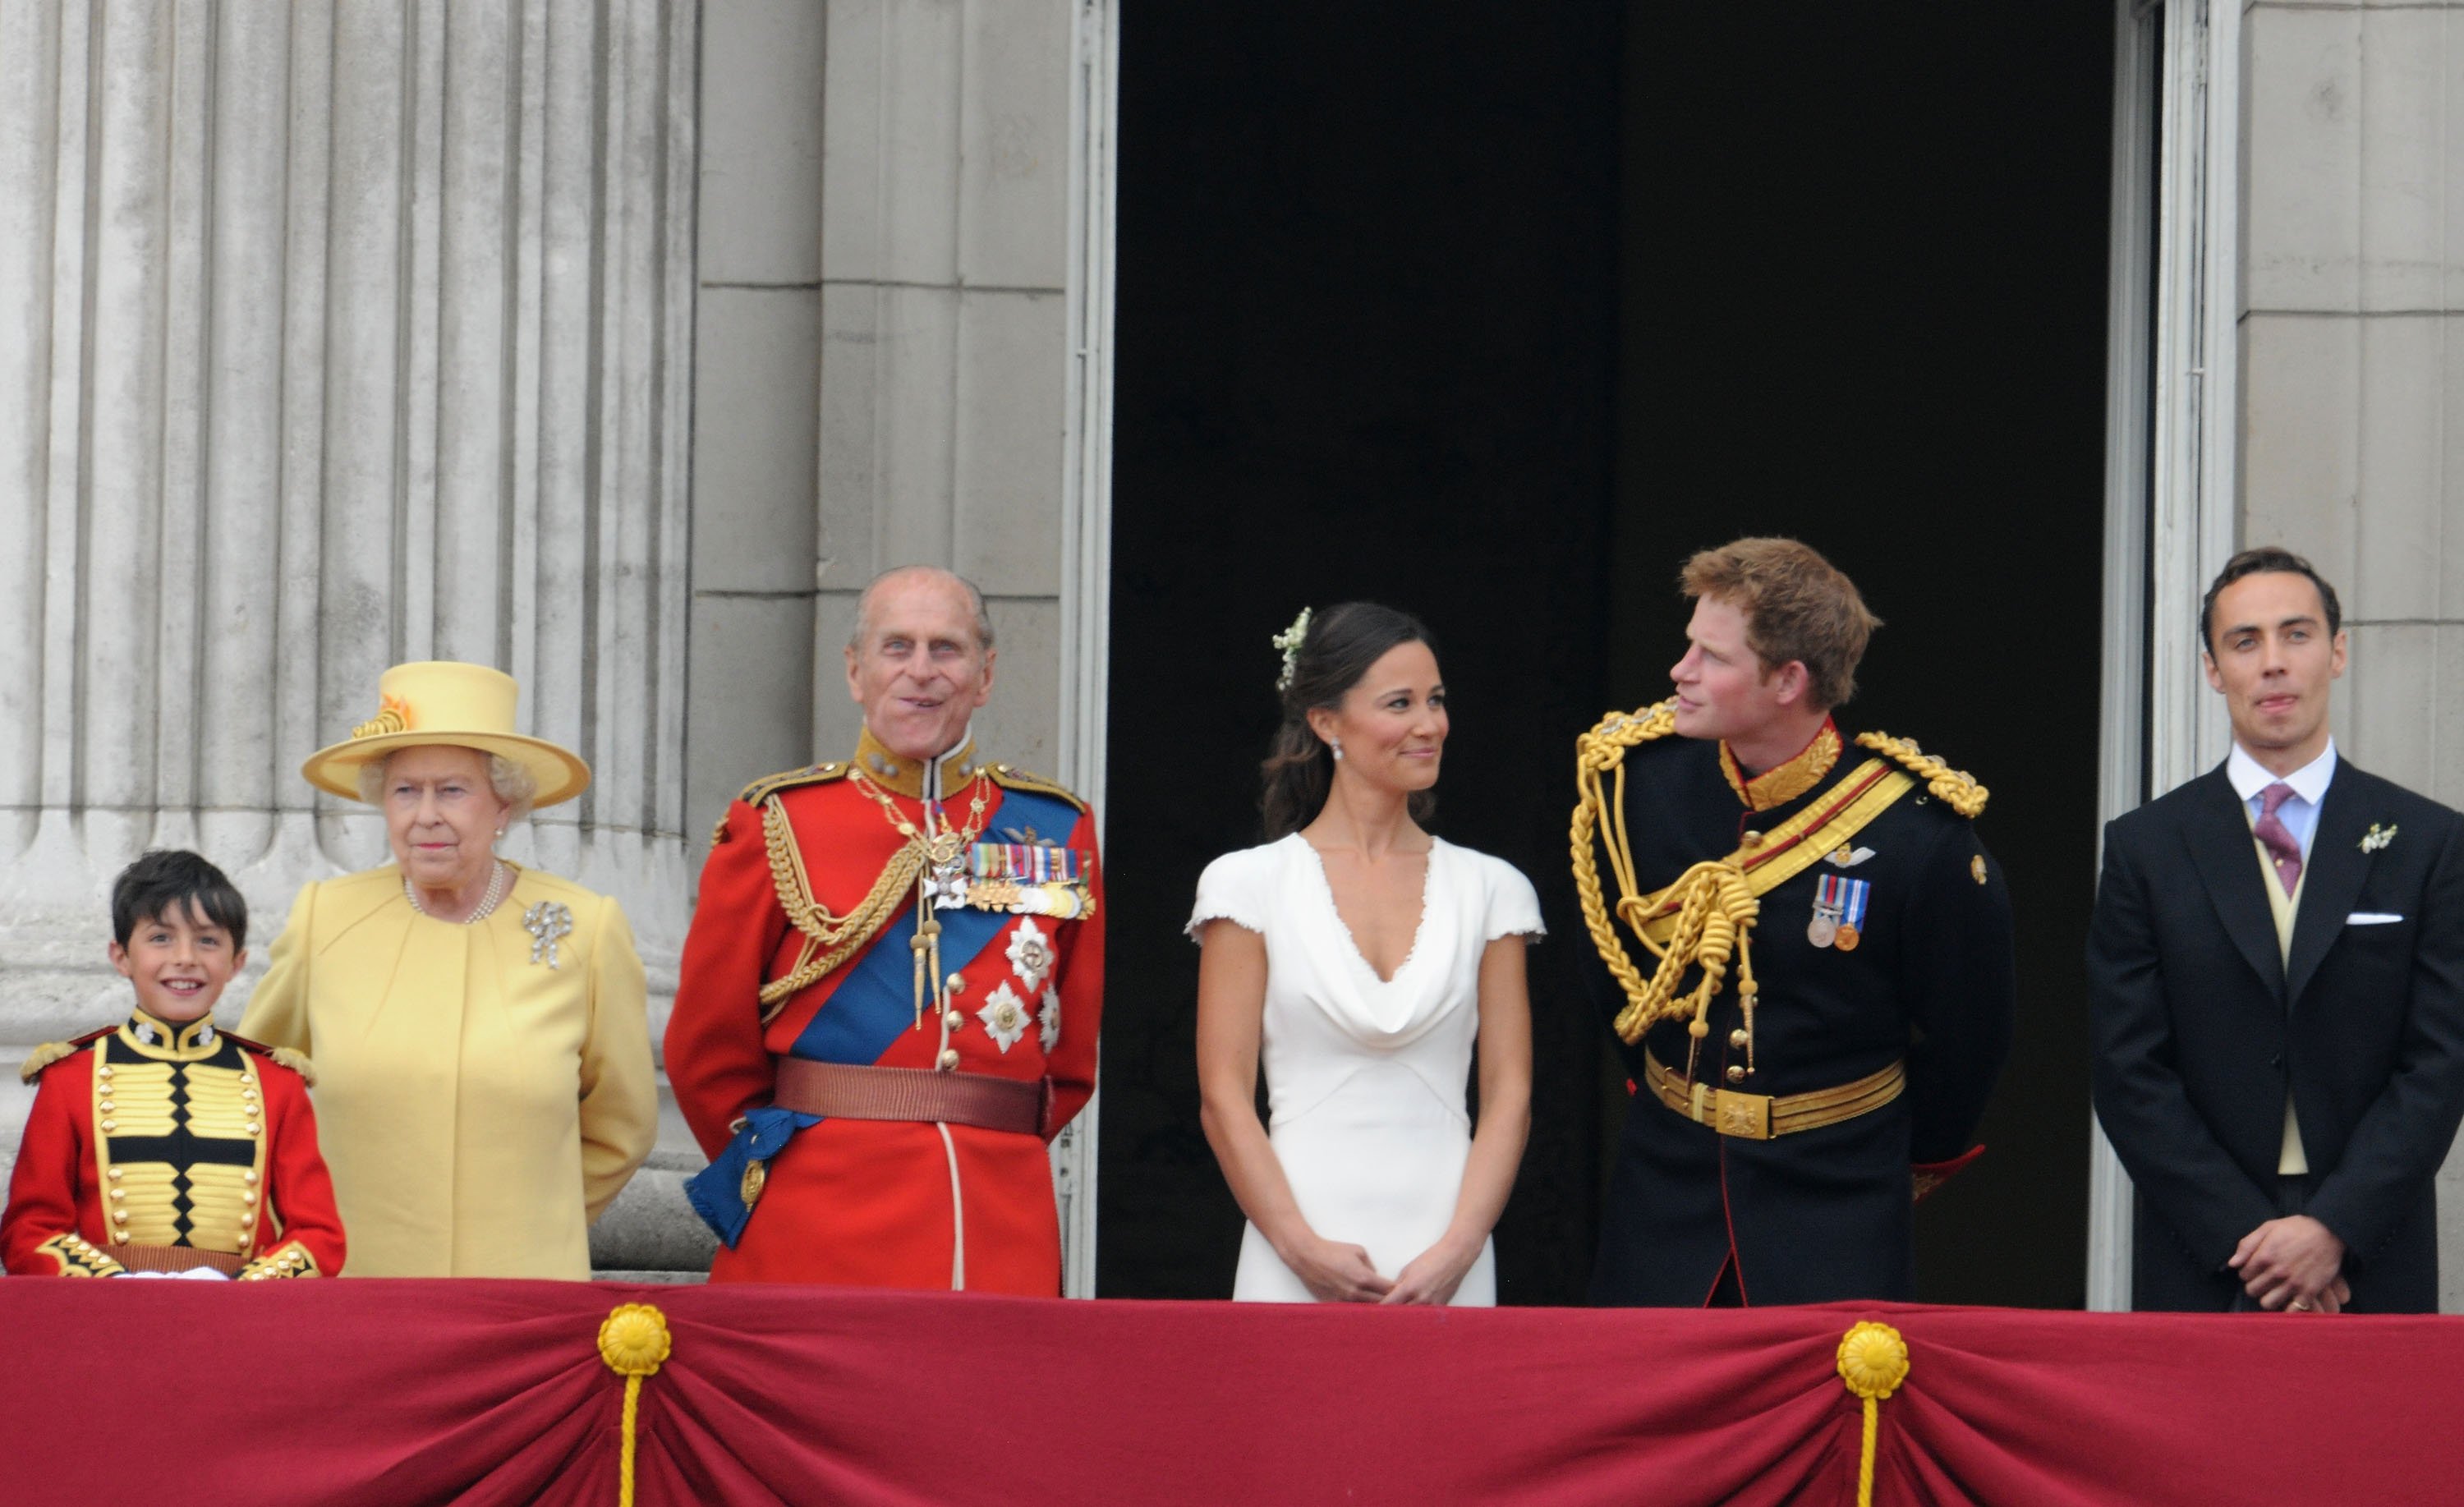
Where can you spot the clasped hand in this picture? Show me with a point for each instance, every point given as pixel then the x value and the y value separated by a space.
pixel 2292 1264
pixel 1339 1272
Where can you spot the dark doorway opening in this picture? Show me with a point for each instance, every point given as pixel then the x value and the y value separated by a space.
pixel 1497 324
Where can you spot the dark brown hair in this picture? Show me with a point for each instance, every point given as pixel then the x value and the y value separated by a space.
pixel 1797 606
pixel 1343 643
pixel 168 879
pixel 2260 561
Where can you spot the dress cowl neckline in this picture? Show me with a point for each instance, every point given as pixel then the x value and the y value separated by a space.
pixel 1393 1009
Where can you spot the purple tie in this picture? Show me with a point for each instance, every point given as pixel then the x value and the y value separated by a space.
pixel 2276 838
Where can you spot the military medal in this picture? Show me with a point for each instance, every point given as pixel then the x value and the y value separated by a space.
pixel 1037 879
pixel 1824 928
pixel 1851 928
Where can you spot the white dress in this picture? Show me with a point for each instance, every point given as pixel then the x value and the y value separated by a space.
pixel 1365 1077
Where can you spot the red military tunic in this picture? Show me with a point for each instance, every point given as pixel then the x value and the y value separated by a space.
pixel 153 1144
pixel 888 1203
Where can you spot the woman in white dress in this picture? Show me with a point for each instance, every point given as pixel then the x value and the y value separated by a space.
pixel 1359 957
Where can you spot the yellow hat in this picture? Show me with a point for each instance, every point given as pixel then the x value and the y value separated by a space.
pixel 461 706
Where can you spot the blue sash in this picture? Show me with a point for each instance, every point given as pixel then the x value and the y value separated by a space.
pixel 874 1002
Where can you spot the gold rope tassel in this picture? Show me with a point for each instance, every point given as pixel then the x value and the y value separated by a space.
pixel 1873 1363
pixel 1715 918
pixel 633 1342
pixel 1716 907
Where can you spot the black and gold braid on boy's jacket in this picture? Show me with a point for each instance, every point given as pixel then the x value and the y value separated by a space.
pixel 1704 919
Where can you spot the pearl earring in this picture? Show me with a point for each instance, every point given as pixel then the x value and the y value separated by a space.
pixel 1337 744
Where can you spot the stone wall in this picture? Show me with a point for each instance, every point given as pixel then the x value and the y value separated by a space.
pixel 614 344
pixel 899 360
pixel 2352 421
pixel 339 336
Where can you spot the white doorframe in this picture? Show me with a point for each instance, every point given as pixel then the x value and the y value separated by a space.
pixel 1087 527
pixel 2172 434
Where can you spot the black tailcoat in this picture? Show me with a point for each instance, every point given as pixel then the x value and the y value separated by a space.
pixel 1821 1215
pixel 2201 1024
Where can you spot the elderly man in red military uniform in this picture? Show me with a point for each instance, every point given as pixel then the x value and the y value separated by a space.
pixel 891 992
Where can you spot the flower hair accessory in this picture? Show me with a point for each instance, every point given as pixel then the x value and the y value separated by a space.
pixel 1289 640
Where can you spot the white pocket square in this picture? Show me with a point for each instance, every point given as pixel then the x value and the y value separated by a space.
pixel 2371 918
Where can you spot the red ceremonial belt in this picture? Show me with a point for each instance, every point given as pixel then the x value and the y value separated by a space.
pixel 175 1259
pixel 844 1092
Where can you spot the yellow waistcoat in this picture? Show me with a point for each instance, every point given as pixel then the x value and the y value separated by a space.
pixel 477 1107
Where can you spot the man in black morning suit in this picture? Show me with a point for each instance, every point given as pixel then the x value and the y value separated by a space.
pixel 2276 970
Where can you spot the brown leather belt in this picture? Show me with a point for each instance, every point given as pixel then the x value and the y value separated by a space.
pixel 913 1093
pixel 1759 1116
pixel 174 1258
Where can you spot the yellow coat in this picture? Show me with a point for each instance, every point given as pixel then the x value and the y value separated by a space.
pixel 478 1109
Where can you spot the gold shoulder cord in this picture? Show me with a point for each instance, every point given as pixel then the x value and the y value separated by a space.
pixel 829 940
pixel 1716 909
pixel 1009 776
pixel 1955 787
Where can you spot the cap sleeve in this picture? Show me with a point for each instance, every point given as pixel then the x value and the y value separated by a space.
pixel 1513 905
pixel 1233 888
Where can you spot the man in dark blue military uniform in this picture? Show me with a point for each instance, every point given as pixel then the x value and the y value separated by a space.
pixel 1808 956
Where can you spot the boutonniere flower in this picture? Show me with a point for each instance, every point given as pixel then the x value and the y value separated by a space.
pixel 2377 837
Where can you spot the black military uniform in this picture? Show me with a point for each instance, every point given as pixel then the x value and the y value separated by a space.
pixel 1772 1150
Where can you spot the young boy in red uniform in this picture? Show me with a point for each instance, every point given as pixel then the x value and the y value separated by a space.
pixel 166 1146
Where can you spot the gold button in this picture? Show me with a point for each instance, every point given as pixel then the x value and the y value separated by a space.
pixel 120 1192
pixel 104 1070
pixel 115 1174
pixel 120 1214
pixel 111 1125
pixel 248 1200
pixel 245 1177
pixel 1737 1072
pixel 107 1106
pixel 1738 1038
pixel 949 1058
pixel 957 985
pixel 954 1020
pixel 251 1128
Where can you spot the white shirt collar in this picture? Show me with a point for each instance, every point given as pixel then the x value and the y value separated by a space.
pixel 2249 776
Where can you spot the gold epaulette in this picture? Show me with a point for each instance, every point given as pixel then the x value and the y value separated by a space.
pixel 43 1056
pixel 283 1057
pixel 769 785
pixel 50 1052
pixel 1009 776
pixel 1955 787
pixel 1626 729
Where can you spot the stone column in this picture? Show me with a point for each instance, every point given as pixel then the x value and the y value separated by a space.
pixel 903 357
pixel 965 371
pixel 2352 419
pixel 340 334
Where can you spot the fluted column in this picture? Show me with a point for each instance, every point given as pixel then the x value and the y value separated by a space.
pixel 341 335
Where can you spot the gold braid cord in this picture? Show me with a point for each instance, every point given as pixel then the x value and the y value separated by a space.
pixel 1955 787
pixel 1715 909
pixel 829 940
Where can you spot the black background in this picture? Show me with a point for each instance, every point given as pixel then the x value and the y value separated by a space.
pixel 1495 314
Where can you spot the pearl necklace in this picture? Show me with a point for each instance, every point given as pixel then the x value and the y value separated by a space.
pixel 496 887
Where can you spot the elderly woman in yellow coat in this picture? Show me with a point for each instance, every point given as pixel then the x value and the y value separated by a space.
pixel 480 1030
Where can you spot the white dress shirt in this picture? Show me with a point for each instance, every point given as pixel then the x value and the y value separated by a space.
pixel 2300 812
